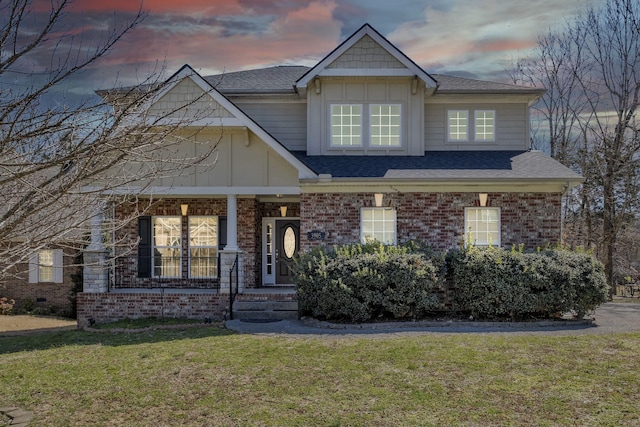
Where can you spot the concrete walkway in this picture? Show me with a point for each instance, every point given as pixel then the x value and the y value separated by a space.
pixel 609 318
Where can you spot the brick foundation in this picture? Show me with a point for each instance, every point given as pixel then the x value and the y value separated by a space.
pixel 110 307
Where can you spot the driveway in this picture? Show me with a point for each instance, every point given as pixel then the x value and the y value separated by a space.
pixel 609 318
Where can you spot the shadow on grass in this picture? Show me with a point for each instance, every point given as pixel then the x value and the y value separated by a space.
pixel 48 340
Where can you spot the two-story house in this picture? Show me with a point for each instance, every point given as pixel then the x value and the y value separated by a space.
pixel 364 145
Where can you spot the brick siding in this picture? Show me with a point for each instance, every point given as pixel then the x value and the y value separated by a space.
pixel 434 218
pixel 44 294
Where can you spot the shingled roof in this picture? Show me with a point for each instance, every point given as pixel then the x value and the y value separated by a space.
pixel 435 165
pixel 281 79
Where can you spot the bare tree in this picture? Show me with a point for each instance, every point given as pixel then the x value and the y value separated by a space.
pixel 51 153
pixel 593 78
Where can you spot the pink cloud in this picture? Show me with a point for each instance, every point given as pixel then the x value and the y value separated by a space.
pixel 302 35
pixel 219 7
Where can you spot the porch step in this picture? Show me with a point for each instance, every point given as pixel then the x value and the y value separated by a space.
pixel 267 310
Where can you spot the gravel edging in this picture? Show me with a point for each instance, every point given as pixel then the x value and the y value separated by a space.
pixel 314 323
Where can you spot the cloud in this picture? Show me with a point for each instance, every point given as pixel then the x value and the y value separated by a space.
pixel 478 38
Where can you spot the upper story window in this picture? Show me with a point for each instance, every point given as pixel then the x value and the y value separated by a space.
pixel 167 246
pixel 203 246
pixel 384 125
pixel 485 125
pixel 45 266
pixel 381 127
pixel 346 125
pixel 458 125
pixel 482 226
pixel 378 224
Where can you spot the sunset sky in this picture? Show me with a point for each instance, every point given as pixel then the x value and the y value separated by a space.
pixel 470 38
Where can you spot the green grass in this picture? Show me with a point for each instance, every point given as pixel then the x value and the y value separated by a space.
pixel 209 376
pixel 145 323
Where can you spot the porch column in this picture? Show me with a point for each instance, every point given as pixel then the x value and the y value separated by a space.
pixel 232 223
pixel 95 275
pixel 228 255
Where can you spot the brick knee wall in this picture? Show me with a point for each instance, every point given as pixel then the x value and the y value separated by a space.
pixel 110 307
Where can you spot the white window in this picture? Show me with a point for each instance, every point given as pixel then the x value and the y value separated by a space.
pixel 346 125
pixel 458 125
pixel 485 125
pixel 378 224
pixel 45 265
pixel 203 246
pixel 384 125
pixel 482 226
pixel 167 246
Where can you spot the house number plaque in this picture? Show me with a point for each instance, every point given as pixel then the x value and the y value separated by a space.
pixel 316 235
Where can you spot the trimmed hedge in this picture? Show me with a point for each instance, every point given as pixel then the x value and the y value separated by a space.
pixel 494 283
pixel 358 283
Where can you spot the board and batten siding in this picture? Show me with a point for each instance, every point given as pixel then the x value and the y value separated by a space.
pixel 512 130
pixel 285 121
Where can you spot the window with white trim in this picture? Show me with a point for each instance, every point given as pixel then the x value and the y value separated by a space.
pixel 485 125
pixel 458 125
pixel 378 224
pixel 346 125
pixel 384 125
pixel 482 226
pixel 167 246
pixel 203 246
pixel 45 266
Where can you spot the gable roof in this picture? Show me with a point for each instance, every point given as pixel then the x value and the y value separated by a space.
pixel 241 119
pixel 445 165
pixel 365 30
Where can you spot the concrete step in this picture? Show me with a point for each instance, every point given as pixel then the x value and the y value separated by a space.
pixel 266 305
pixel 268 310
pixel 265 315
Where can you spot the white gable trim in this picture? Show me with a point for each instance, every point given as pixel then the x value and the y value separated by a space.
pixel 366 30
pixel 239 119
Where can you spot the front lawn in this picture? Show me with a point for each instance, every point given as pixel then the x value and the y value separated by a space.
pixel 209 376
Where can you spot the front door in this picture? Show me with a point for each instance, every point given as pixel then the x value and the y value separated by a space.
pixel 287 239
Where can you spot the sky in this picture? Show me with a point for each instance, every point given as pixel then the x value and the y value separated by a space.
pixel 469 38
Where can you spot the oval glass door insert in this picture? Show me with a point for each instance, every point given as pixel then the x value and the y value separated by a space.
pixel 289 242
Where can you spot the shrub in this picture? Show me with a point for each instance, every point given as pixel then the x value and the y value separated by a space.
pixel 498 283
pixel 362 282
pixel 6 305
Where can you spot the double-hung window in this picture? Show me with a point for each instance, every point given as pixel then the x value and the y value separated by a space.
pixel 167 246
pixel 482 226
pixel 384 125
pixel 203 246
pixel 460 127
pixel 346 125
pixel 485 125
pixel 378 224
pixel 45 266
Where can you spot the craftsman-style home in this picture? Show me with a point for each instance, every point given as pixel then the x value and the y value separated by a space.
pixel 364 145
